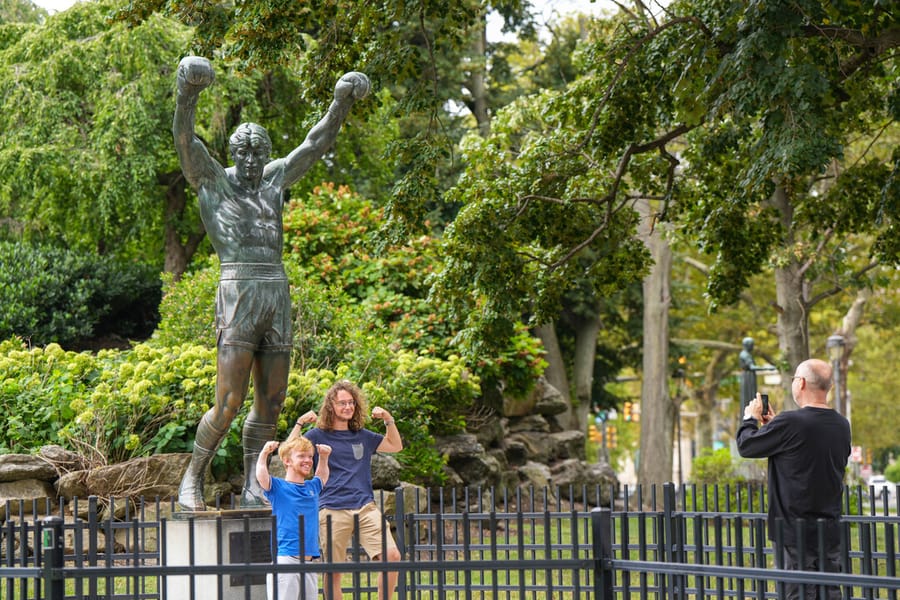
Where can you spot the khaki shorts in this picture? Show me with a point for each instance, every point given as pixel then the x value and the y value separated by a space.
pixel 371 527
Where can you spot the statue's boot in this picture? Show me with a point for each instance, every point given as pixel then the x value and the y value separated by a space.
pixel 255 437
pixel 190 492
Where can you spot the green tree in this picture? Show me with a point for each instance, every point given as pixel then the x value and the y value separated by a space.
pixel 85 110
pixel 88 160
pixel 21 11
pixel 733 112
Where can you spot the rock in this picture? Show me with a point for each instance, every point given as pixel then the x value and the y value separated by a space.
pixel 147 537
pixel 534 474
pixel 15 467
pixel 516 453
pixel 568 444
pixel 150 476
pixel 479 470
pixel 26 496
pixel 64 461
pixel 529 423
pixel 385 472
pixel 72 485
pixel 221 492
pixel 415 499
pixel 542 393
pixel 489 431
pixel 463 445
pixel 536 445
pixel 576 475
pixel 551 402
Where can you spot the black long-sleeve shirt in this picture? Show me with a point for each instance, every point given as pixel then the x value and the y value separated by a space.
pixel 807 451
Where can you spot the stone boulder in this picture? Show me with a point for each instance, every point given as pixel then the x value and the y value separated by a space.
pixel 568 444
pixel 550 402
pixel 528 423
pixel 16 467
pixel 26 496
pixel 538 446
pixel 64 461
pixel 150 476
pixel 73 485
pixel 385 472
pixel 574 476
pixel 534 474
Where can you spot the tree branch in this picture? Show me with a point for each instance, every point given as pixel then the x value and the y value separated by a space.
pixel 868 48
pixel 837 289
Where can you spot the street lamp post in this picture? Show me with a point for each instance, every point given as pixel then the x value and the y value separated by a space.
pixel 835 347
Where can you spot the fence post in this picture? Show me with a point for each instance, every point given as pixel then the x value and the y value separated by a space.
pixel 674 544
pixel 52 557
pixel 601 528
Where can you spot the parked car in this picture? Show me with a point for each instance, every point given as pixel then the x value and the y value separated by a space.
pixel 882 488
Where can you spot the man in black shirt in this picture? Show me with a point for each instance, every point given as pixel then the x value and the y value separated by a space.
pixel 807 451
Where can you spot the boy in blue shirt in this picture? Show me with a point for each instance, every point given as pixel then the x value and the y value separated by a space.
pixel 294 497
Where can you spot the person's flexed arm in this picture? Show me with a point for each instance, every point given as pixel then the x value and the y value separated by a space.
pixel 194 75
pixel 262 465
pixel 304 419
pixel 350 87
pixel 391 441
pixel 322 470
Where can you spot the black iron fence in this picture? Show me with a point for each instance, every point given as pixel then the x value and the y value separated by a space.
pixel 658 542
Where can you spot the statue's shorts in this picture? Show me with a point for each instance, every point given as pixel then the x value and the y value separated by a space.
pixel 253 307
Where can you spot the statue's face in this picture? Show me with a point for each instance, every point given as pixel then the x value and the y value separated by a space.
pixel 249 161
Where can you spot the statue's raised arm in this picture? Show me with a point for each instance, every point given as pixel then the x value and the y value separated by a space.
pixel 350 87
pixel 195 74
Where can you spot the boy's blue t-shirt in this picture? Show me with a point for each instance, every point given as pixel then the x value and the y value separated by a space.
pixel 290 501
pixel 350 465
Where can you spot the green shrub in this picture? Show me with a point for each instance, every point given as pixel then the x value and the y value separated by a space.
pixel 113 405
pixel 720 479
pixel 187 311
pixel 892 472
pixel 53 295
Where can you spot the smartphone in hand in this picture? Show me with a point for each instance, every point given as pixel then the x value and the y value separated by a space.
pixel 765 404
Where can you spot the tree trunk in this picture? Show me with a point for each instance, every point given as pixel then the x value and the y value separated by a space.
pixel 583 369
pixel 555 374
pixel 791 295
pixel 657 407
pixel 848 329
pixel 707 398
pixel 476 84
pixel 179 251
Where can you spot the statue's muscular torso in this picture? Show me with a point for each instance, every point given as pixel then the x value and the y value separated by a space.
pixel 244 226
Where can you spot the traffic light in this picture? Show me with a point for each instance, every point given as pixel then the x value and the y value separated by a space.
pixel 626 411
pixel 611 440
pixel 594 433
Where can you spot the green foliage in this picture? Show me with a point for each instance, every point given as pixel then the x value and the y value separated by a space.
pixel 892 472
pixel 112 405
pixel 714 466
pixel 85 111
pixel 62 296
pixel 187 310
pixel 331 236
pixel 720 476
pixel 20 11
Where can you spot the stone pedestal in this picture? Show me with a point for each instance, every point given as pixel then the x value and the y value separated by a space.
pixel 218 537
